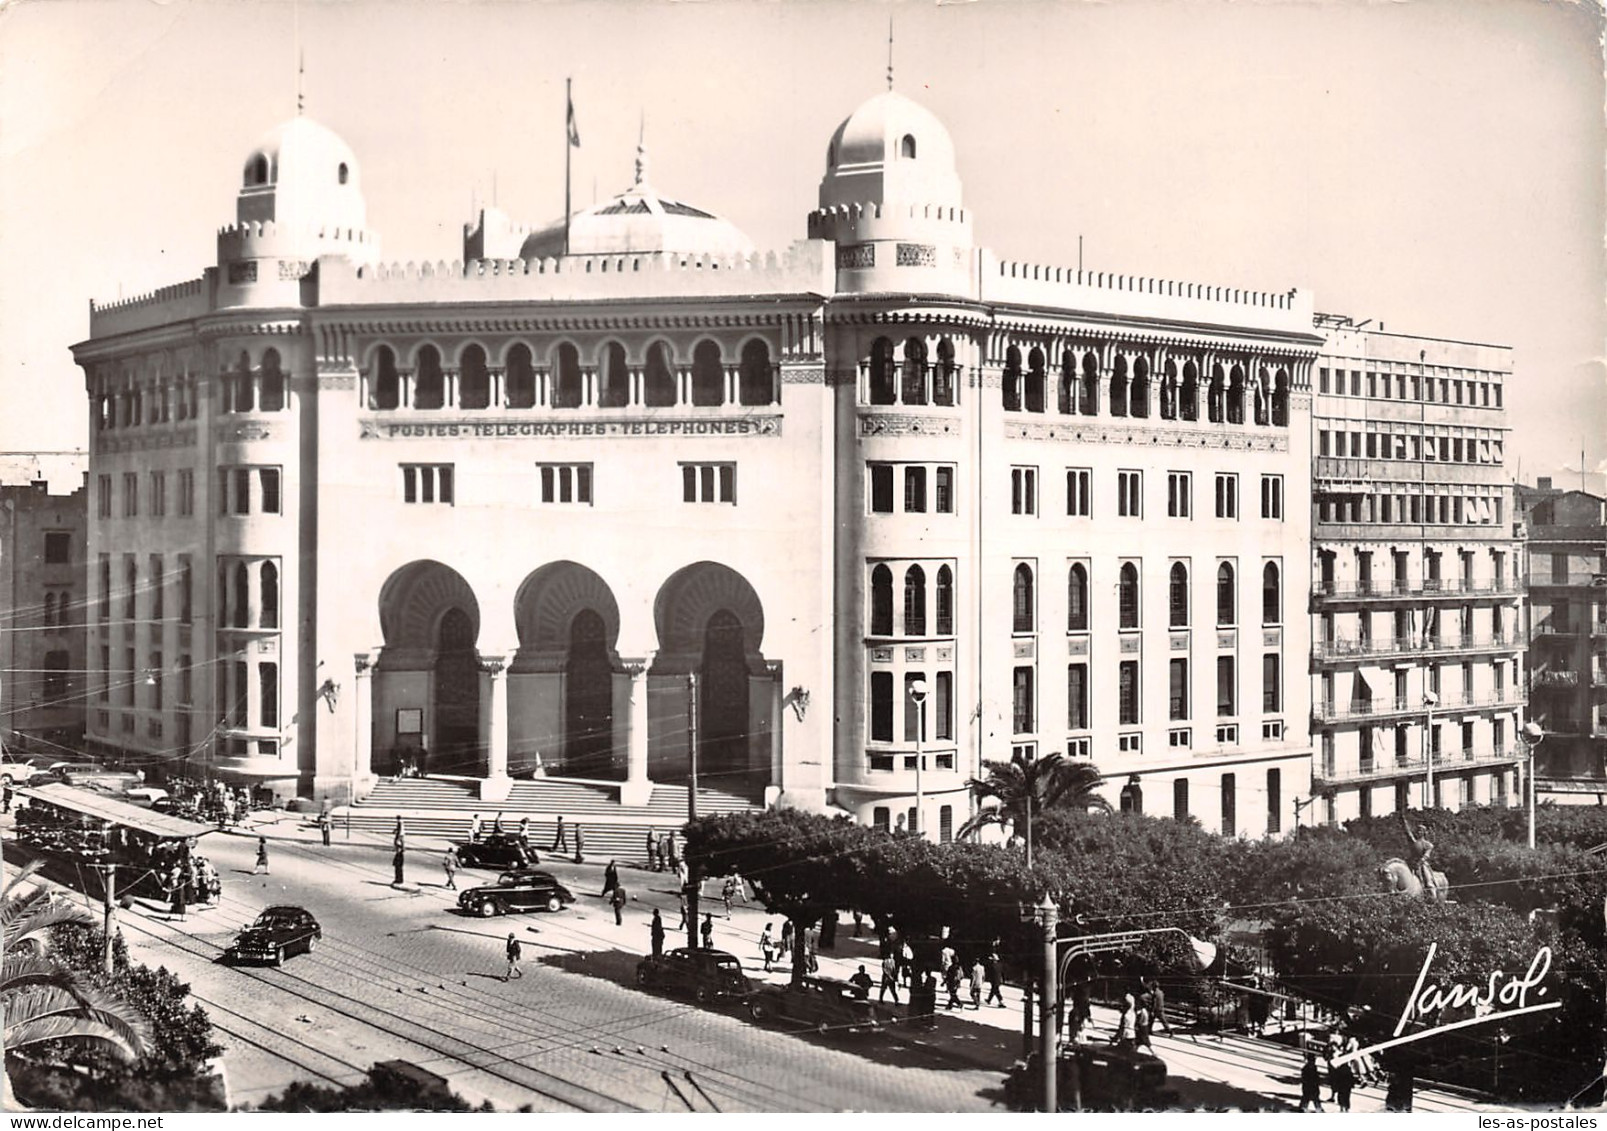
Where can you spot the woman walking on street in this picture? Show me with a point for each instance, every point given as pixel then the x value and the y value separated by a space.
pixel 610 878
pixel 1126 1034
pixel 767 947
pixel 262 857
pixel 450 862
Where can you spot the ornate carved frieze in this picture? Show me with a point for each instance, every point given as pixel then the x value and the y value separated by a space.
pixel 293 269
pixel 1138 436
pixel 916 255
pixel 1024 649
pixel 1131 644
pixel 566 429
pixel 804 375
pixel 907 424
pixel 881 655
pixel 1271 638
pixel 856 255
pixel 154 441
pixel 336 381
pixel 243 272
pixel 1226 640
pixel 1077 646
pixel 915 655
pixel 945 653
pixel 240 431
pixel 1180 641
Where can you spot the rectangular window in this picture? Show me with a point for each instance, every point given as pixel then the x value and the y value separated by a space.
pixel 1178 490
pixel 103 496
pixel 1180 792
pixel 915 490
pixel 709 483
pixel 912 709
pixel 186 680
pixel 1128 684
pixel 565 482
pixel 1130 494
pixel 153 676
pixel 105 587
pixel 1079 748
pixel 1224 687
pixel 1022 715
pixel 58 547
pixel 1023 490
pixel 131 581
pixel 1274 802
pixel 1271 684
pixel 1227 496
pixel 269 477
pixel 1178 693
pixel 238 706
pixel 158 493
pixel 55 682
pixel 943 490
pixel 105 673
pixel 881 488
pixel 1272 497
pixel 1079 498
pixel 242 490
pixel 1077 696
pixel 427 483
pixel 187 492
pixel 130 494
pixel 881 706
pixel 1180 739
pixel 1230 806
pixel 943 707
pixel 1130 743
pixel 158 583
pixel 1322 380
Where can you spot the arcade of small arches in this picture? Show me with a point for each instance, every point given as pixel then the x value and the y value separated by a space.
pixel 562 700
pixel 561 376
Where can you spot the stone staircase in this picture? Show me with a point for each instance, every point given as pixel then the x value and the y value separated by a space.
pixel 442 807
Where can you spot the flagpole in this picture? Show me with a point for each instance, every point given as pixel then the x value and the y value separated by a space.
pixel 569 113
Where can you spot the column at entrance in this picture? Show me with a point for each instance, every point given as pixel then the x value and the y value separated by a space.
pixel 363 739
pixel 497 784
pixel 637 789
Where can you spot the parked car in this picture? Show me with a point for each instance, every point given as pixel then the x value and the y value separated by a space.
pixel 145 796
pixel 278 933
pixel 496 851
pixel 517 891
pixel 14 771
pixel 708 975
pixel 1109 1079
pixel 821 1003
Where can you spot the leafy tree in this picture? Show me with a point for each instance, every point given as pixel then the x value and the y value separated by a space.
pixel 380 1091
pixel 1027 789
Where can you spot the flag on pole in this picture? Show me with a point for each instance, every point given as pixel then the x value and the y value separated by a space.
pixel 574 133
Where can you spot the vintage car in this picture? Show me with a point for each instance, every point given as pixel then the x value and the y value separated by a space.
pixel 522 890
pixel 145 796
pixel 822 1004
pixel 1106 1078
pixel 496 851
pixel 14 771
pixel 278 933
pixel 708 975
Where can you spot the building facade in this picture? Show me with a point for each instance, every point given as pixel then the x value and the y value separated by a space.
pixel 43 641
pixel 1416 603
pixel 573 513
pixel 1568 639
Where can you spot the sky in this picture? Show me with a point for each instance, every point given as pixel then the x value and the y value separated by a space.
pixel 1434 165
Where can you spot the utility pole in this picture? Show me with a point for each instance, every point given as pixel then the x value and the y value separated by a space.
pixel 1048 915
pixel 108 873
pixel 692 880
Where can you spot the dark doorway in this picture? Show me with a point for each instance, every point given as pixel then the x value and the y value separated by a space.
pixel 588 698
pixel 723 706
pixel 457 697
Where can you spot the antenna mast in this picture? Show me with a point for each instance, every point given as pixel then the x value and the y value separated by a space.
pixel 301 58
pixel 889 52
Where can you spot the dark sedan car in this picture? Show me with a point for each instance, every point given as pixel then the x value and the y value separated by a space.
pixel 496 851
pixel 278 933
pixel 822 1004
pixel 517 891
pixel 708 975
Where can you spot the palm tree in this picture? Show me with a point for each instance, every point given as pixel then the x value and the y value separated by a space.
pixel 45 1001
pixel 1024 787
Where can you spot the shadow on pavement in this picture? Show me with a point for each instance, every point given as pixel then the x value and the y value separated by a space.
pixel 1212 1095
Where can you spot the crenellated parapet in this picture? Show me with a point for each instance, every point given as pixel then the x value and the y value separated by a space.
pixel 264 239
pixel 174 303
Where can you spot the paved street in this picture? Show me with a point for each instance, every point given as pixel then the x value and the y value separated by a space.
pixel 400 974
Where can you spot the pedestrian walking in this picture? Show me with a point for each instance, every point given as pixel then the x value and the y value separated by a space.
pixel 524 831
pixel 862 983
pixel 5 798
pixel 978 975
pixel 474 829
pixel 560 838
pixel 662 863
pixel 262 857
pixel 496 825
pixel 1157 1007
pixel 515 952
pixel 767 947
pixel 610 878
pixel 889 977
pixel 946 958
pixel 786 937
pixel 618 901
pixel 707 931
pixel 859 924
pixel 324 825
pixel 1126 1032
pixel 180 903
pixel 991 969
pixel 682 872
pixel 399 836
pixel 653 861
pixel 1342 1078
pixel 951 982
pixel 674 851
pixel 811 959
pixel 580 846
pixel 1141 1024
pixel 398 862
pixel 681 926
pixel 1310 1084
pixel 655 932
pixel 726 891
pixel 449 861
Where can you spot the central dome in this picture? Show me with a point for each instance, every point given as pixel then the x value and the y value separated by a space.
pixel 639 221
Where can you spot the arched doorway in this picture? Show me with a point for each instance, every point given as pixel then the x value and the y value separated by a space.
pixel 588 698
pixel 456 749
pixel 427 681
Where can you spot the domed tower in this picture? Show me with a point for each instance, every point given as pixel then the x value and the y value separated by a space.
pixel 300 197
pixel 890 200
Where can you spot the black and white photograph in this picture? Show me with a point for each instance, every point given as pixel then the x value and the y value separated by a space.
pixel 803 556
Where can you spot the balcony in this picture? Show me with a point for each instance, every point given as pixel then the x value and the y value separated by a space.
pixel 1371 709
pixel 1553 679
pixel 1446 762
pixel 1573 579
pixel 1382 647
pixel 1415 589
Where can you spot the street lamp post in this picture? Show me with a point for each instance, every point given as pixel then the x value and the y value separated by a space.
pixel 1531 736
pixel 917 690
pixel 1430 701
pixel 1047 915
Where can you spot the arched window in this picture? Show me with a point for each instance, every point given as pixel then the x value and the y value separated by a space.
pixel 270 595
pixel 567 388
pixel 1066 401
pixel 906 148
pixel 1023 621
pixel 1280 399
pixel 1178 593
pixel 474 379
pixel 1169 392
pixel 1127 595
pixel 914 372
pixel 943 374
pixel 1189 395
pixel 1236 396
pixel 708 375
pixel 429 385
pixel 757 382
pixel 1012 379
pixel 384 389
pixel 273 383
pixel 257 170
pixel 881 601
pixel 1088 403
pixel 881 372
pixel 1077 599
pixel 614 390
pixel 945 601
pixel 1216 396
pixel 342 173
pixel 1262 391
pixel 1271 595
pixel 658 378
pixel 1118 386
pixel 1036 380
pixel 915 601
pixel 1226 596
pixel 521 378
pixel 244 391
pixel 242 595
pixel 50 610
pixel 1138 395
